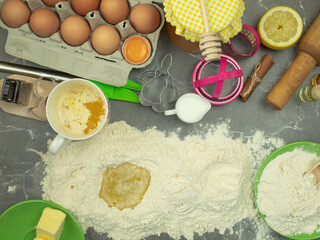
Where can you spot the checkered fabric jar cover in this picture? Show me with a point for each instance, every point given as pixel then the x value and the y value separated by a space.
pixel 224 17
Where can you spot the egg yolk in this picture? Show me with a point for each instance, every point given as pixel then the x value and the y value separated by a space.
pixel 137 50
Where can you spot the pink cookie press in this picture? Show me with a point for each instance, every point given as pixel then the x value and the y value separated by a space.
pixel 219 79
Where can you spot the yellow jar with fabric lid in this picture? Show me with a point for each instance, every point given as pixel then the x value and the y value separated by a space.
pixel 224 17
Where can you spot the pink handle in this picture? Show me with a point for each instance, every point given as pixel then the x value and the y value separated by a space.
pixel 215 99
pixel 218 78
pixel 252 36
pixel 223 68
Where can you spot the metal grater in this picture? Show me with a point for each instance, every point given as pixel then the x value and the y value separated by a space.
pixel 24 93
pixel 16 91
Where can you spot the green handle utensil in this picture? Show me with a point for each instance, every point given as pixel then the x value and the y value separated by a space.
pixel 120 93
pixel 133 85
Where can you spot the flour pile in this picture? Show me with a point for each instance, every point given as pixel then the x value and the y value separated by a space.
pixel 289 199
pixel 198 184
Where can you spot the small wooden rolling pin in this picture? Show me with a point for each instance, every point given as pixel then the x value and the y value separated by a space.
pixel 256 76
pixel 308 58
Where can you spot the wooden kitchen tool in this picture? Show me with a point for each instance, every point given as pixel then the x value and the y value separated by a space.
pixel 315 170
pixel 210 45
pixel 308 58
pixel 260 70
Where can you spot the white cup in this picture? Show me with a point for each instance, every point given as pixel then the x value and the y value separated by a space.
pixel 65 135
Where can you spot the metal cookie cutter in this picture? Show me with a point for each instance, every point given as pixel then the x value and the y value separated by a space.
pixel 157 87
pixel 248 33
pixel 219 80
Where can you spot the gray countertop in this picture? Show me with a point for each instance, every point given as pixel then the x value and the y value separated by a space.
pixel 22 138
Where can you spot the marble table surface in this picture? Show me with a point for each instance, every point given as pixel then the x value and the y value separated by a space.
pixel 21 139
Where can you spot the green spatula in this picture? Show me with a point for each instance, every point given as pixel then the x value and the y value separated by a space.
pixel 120 93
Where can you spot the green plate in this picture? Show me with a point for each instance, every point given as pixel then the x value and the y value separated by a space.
pixel 305 146
pixel 20 221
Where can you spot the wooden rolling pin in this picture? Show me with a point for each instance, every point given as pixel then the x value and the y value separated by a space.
pixel 308 58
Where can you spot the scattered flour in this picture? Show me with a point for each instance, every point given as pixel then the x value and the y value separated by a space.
pixel 198 184
pixel 12 189
pixel 289 199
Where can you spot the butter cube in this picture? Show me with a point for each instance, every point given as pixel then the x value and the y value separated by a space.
pixel 37 238
pixel 51 224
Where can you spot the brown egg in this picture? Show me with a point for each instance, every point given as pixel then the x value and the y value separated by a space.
pixel 145 18
pixel 75 30
pixel 105 40
pixel 114 11
pixel 44 22
pixel 52 3
pixel 82 7
pixel 15 13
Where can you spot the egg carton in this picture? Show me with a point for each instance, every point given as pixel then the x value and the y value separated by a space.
pixel 82 61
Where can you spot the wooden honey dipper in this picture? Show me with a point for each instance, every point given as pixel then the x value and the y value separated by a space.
pixel 308 58
pixel 210 45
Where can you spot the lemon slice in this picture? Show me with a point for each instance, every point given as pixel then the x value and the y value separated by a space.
pixel 280 28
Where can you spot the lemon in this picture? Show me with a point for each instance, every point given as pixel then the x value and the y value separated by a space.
pixel 280 28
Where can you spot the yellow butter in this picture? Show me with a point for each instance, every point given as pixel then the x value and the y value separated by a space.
pixel 37 238
pixel 51 224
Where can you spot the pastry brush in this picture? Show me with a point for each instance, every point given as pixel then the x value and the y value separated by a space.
pixel 118 93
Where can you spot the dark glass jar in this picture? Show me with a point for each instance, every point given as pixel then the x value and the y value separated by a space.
pixel 181 42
